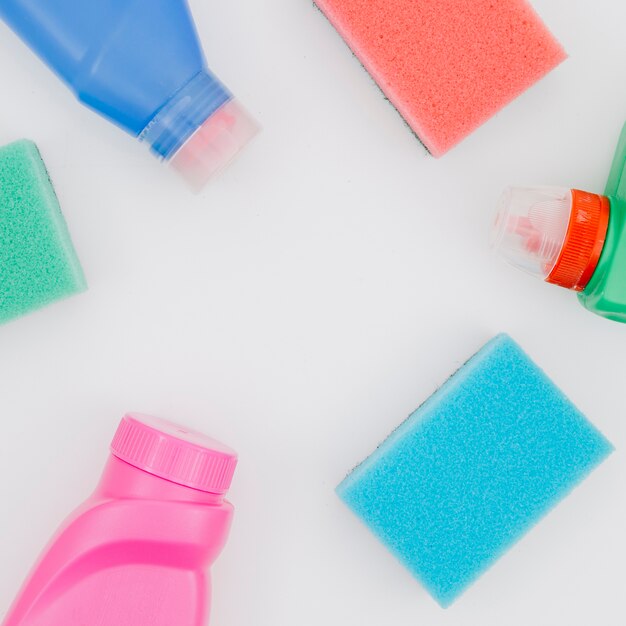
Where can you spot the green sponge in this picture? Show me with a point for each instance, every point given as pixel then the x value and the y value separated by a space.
pixel 38 264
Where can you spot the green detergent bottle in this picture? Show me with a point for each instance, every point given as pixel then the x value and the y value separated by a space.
pixel 571 238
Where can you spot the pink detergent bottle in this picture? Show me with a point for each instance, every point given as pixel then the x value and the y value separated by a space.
pixel 137 552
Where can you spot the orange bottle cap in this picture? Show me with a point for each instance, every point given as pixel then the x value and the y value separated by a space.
pixel 584 241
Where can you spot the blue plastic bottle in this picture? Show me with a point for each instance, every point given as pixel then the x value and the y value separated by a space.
pixel 139 63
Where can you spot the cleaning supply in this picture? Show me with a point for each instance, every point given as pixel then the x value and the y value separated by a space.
pixel 137 552
pixel 446 65
pixel 139 64
pixel 571 238
pixel 38 264
pixel 473 469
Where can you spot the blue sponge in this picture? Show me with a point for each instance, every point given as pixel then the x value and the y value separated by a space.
pixel 474 468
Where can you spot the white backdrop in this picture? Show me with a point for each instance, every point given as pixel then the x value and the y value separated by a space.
pixel 303 305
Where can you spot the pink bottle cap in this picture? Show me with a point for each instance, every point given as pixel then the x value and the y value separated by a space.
pixel 175 453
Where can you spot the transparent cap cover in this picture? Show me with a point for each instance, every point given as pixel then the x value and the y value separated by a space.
pixel 530 227
pixel 214 144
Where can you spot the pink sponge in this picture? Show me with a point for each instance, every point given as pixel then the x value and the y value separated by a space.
pixel 447 65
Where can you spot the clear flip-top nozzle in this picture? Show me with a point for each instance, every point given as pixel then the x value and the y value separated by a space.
pixel 530 227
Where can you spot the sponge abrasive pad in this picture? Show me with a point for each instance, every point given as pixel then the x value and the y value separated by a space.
pixel 475 467
pixel 447 65
pixel 38 264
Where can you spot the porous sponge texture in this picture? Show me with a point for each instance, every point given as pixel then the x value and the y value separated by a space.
pixel 38 264
pixel 476 466
pixel 447 65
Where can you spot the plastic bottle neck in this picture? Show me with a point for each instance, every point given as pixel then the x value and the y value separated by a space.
pixel 184 113
pixel 120 480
